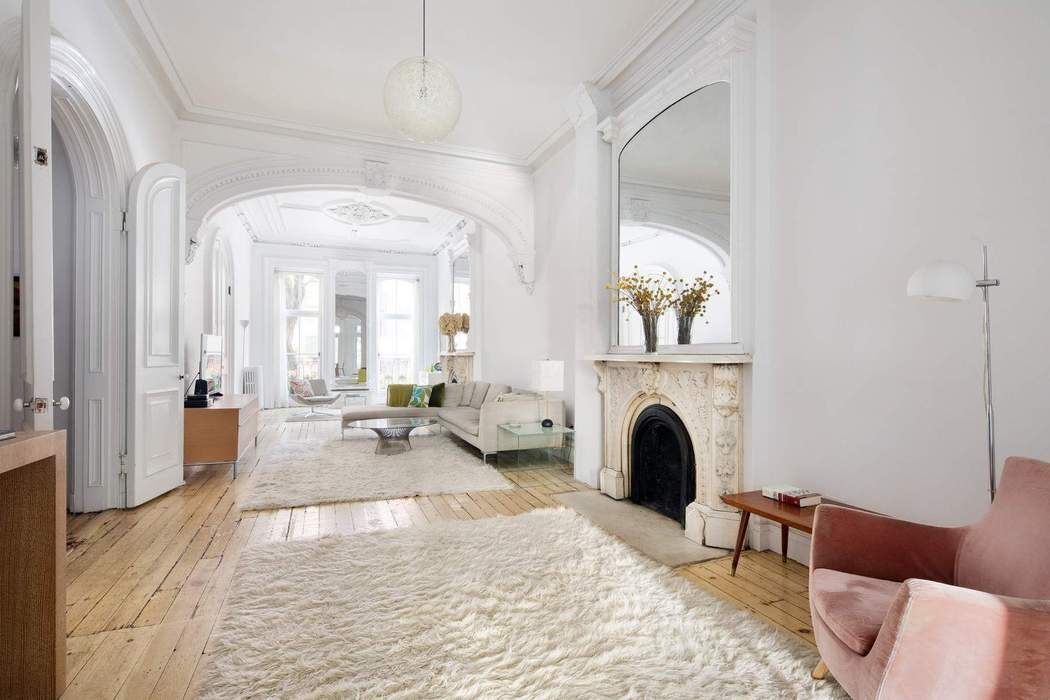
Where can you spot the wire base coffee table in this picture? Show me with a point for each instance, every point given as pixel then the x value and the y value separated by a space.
pixel 393 432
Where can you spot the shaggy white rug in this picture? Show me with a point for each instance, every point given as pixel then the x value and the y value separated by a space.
pixel 538 605
pixel 304 473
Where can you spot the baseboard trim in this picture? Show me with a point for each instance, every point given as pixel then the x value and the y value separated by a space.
pixel 763 535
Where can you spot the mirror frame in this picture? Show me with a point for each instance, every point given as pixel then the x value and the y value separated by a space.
pixel 728 57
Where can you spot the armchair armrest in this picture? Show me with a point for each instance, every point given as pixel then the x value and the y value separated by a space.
pixel 946 641
pixel 867 544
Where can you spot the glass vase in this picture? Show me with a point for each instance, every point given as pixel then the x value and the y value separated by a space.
pixel 649 329
pixel 685 330
pixel 451 343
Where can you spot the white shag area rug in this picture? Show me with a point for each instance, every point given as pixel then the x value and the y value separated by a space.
pixel 540 605
pixel 305 473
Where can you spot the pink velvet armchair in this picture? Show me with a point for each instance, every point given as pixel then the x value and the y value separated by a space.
pixel 902 610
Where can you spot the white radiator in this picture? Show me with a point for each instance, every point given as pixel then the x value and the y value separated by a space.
pixel 251 380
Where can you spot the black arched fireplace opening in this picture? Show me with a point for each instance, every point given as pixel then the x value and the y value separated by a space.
pixel 663 471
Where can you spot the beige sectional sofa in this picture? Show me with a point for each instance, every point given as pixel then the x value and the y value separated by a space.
pixel 472 412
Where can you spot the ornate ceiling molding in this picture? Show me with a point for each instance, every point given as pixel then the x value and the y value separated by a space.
pixel 220 187
pixel 355 213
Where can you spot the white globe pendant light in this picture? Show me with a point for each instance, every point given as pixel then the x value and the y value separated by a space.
pixel 421 97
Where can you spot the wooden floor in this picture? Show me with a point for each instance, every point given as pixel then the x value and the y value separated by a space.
pixel 145 586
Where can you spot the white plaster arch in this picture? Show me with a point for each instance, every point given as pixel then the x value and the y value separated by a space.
pixel 217 188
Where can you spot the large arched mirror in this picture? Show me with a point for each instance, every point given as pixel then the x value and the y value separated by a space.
pixel 461 292
pixel 674 183
pixel 351 326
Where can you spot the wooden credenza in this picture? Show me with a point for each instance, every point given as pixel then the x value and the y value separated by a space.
pixel 222 432
pixel 32 565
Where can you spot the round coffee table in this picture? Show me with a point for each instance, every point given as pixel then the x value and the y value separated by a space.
pixel 392 432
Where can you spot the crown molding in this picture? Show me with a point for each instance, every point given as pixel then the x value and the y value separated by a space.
pixel 665 54
pixel 146 40
pixel 650 31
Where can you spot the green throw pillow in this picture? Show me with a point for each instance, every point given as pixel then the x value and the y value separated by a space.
pixel 420 397
pixel 398 394
pixel 437 394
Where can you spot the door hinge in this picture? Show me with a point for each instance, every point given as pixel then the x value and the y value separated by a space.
pixel 18 152
pixel 124 223
pixel 123 465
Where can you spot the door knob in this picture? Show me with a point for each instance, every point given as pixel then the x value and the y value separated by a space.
pixel 62 403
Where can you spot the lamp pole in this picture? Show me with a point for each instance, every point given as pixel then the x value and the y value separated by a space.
pixel 989 408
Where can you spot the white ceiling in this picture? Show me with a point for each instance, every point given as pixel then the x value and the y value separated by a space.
pixel 307 218
pixel 321 64
pixel 686 146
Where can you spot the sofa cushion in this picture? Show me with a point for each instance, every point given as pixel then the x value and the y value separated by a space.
pixel 398 394
pixel 437 394
pixel 378 411
pixel 478 397
pixel 453 395
pixel 853 607
pixel 495 390
pixel 468 393
pixel 465 418
pixel 515 396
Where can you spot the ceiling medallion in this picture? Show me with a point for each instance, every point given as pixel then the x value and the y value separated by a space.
pixel 421 96
pixel 357 213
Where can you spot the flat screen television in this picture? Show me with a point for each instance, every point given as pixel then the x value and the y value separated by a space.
pixel 211 361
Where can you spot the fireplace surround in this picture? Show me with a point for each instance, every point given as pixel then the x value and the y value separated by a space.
pixel 704 393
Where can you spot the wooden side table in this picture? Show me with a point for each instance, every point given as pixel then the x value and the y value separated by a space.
pixel 33 565
pixel 787 515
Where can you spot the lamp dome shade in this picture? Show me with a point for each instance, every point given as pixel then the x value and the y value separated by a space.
pixel 422 99
pixel 942 280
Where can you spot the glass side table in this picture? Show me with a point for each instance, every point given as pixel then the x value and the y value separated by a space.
pixel 556 442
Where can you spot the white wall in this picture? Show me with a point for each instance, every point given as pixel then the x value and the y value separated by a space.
pixel 520 327
pixel 146 116
pixel 556 281
pixel 900 133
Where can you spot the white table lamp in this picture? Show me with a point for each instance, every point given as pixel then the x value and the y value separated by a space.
pixel 548 375
pixel 947 281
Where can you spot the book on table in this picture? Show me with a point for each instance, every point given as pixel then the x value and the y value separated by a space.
pixel 792 495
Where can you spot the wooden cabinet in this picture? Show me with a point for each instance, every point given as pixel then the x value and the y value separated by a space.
pixel 221 432
pixel 32 564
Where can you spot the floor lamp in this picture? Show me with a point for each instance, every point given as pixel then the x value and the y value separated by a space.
pixel 948 281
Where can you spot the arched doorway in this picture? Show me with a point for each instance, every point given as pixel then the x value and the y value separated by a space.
pixel 96 167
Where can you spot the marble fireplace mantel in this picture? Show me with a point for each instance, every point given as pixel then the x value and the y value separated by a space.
pixel 704 391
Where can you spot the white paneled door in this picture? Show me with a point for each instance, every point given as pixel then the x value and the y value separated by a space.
pixel 156 241
pixel 37 283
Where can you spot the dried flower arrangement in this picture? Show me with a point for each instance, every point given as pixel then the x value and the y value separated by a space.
pixel 450 324
pixel 692 302
pixel 649 295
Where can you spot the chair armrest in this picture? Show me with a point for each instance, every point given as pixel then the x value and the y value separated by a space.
pixel 951 642
pixel 867 544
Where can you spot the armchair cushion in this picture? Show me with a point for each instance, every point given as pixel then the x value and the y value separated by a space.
pixel 853 607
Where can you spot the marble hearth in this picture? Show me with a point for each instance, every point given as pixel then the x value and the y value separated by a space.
pixel 705 393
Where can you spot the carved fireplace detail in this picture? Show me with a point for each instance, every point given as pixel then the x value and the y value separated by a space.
pixel 705 396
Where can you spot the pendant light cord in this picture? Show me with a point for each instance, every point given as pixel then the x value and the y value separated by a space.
pixel 424 28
